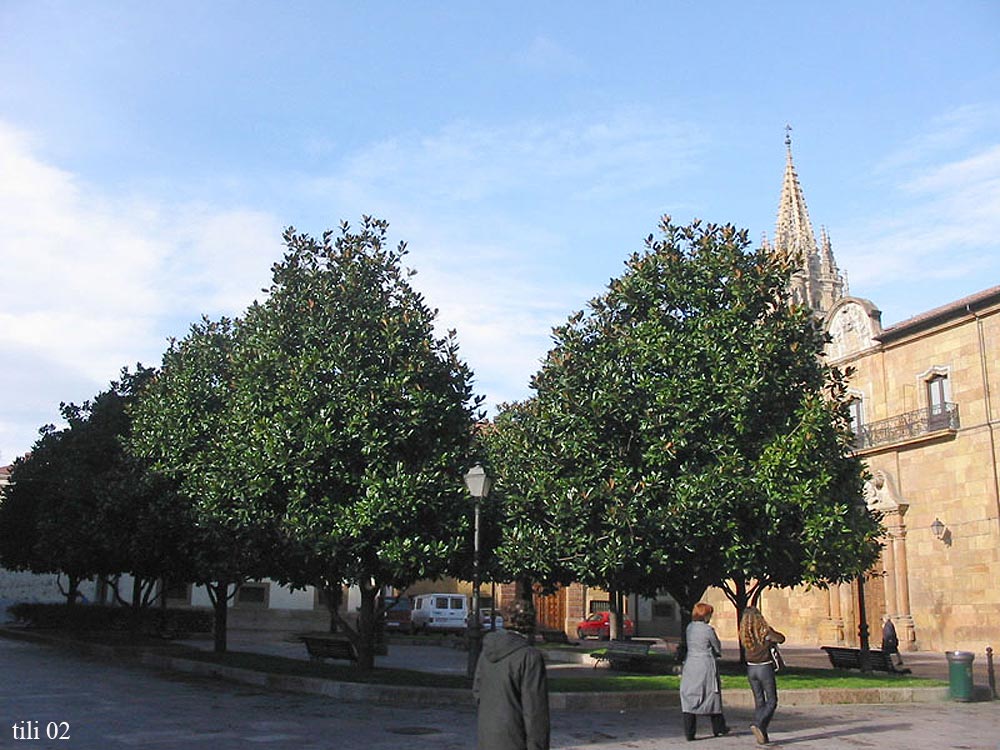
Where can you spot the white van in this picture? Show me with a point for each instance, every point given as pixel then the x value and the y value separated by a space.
pixel 439 612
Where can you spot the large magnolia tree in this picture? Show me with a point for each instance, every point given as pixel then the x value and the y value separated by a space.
pixel 356 419
pixel 685 432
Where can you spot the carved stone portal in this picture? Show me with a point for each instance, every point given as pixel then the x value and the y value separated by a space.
pixel 881 495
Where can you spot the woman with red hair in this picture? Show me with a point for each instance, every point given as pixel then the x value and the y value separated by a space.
pixel 701 692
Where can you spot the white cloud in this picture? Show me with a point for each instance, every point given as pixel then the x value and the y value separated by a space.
pixel 94 282
pixel 938 216
pixel 945 134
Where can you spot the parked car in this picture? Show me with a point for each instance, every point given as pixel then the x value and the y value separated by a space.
pixel 439 612
pixel 485 617
pixel 598 625
pixel 398 612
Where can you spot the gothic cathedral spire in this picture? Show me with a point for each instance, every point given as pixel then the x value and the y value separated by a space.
pixel 816 281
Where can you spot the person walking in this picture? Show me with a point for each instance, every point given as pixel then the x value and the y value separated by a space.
pixel 757 638
pixel 511 689
pixel 890 641
pixel 701 691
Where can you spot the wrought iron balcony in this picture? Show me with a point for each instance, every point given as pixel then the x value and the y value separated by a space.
pixel 912 424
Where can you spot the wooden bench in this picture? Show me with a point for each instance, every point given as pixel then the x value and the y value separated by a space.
pixel 850 658
pixel 621 654
pixel 324 647
pixel 554 636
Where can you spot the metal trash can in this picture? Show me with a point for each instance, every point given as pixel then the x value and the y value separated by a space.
pixel 960 674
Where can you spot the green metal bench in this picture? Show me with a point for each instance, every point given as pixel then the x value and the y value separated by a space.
pixel 850 658
pixel 323 647
pixel 621 654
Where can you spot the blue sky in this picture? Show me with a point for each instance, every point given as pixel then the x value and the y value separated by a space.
pixel 152 154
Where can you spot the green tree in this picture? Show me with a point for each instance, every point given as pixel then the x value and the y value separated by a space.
pixel 528 540
pixel 184 425
pixel 80 507
pixel 693 435
pixel 32 494
pixel 356 420
pixel 144 525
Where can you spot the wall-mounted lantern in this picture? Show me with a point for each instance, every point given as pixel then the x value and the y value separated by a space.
pixel 937 528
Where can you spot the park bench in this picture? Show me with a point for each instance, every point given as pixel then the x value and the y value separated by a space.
pixel 554 636
pixel 850 658
pixel 621 654
pixel 324 647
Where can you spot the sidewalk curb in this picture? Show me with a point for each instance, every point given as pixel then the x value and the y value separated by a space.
pixel 417 697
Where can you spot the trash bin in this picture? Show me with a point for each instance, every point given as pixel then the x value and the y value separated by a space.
pixel 960 674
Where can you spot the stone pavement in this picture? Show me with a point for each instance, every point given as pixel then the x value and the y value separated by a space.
pixel 98 704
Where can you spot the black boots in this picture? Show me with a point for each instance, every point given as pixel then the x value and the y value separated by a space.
pixel 719 728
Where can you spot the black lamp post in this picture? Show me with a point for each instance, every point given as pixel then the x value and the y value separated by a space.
pixel 479 487
pixel 865 656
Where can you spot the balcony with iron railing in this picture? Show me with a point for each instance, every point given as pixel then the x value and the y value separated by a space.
pixel 908 426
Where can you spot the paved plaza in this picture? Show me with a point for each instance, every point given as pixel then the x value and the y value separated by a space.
pixel 99 705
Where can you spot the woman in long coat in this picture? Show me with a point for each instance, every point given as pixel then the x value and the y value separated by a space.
pixel 701 692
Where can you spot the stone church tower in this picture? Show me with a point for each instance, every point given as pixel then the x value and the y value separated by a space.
pixel 817 282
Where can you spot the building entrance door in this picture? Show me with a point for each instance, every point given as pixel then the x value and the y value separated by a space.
pixel 550 610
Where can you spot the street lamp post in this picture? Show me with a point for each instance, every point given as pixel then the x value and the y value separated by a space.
pixel 865 656
pixel 478 484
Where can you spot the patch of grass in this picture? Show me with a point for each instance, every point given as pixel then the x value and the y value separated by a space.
pixel 792 678
pixel 804 678
pixel 613 684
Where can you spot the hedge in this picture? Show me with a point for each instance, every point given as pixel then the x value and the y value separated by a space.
pixel 96 617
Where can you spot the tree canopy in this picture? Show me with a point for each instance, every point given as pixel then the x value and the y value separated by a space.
pixel 685 431
pixel 78 504
pixel 321 438
pixel 355 418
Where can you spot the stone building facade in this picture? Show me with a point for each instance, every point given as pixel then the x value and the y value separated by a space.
pixel 927 417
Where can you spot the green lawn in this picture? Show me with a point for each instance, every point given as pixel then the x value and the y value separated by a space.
pixel 791 679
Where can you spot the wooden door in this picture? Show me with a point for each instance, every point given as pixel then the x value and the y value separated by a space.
pixel 550 610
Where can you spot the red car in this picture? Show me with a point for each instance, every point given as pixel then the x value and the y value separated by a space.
pixel 599 626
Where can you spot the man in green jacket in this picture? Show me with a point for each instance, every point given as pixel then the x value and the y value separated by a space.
pixel 511 689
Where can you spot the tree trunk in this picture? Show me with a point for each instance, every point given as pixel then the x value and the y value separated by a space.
pixel 72 591
pixel 740 597
pixel 686 595
pixel 524 593
pixel 219 594
pixel 135 608
pixel 334 598
pixel 615 629
pixel 365 644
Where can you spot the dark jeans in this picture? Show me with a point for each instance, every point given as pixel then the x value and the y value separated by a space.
pixel 691 724
pixel 765 693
